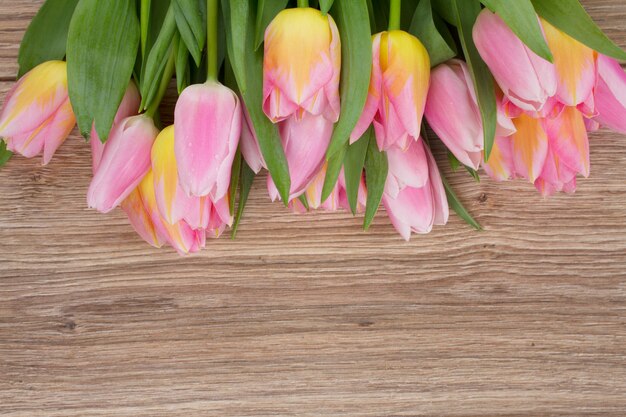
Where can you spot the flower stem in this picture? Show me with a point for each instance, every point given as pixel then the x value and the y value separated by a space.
pixel 394 15
pixel 211 38
pixel 303 3
pixel 165 82
pixel 145 19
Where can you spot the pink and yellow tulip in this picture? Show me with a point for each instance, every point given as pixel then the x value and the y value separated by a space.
pixel 125 161
pixel 301 66
pixel 527 80
pixel 416 208
pixel 397 92
pixel 37 115
pixel 207 125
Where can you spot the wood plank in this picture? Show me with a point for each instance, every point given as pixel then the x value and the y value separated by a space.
pixel 307 315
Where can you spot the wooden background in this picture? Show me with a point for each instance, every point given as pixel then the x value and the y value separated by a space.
pixel 308 315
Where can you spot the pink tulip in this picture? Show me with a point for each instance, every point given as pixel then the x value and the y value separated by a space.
pixel 417 209
pixel 575 66
pixel 207 125
pixel 452 112
pixel 305 141
pixel 128 107
pixel 527 80
pixel 398 88
pixel 250 145
pixel 180 235
pixel 125 161
pixel 610 94
pixel 37 115
pixel 301 66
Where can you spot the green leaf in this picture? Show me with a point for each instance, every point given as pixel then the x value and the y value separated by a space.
pixel 376 169
pixel 5 154
pixel 304 201
pixel 333 169
pixel 520 16
pixel 356 62
pixel 102 47
pixel 454 163
pixel 234 181
pixel 570 17
pixel 191 22
pixel 266 12
pixel 423 27
pixel 182 66
pixel 458 207
pixel 446 9
pixel 247 178
pixel 325 5
pixel 473 173
pixel 248 68
pixel 157 59
pixel 46 36
pixel 353 167
pixel 467 11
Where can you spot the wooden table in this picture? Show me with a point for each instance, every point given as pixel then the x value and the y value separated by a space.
pixel 307 314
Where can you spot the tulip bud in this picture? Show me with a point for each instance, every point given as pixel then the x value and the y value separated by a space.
pixel 417 209
pixel 207 125
pixel 452 112
pixel 125 161
pixel 301 65
pixel 398 89
pixel 610 94
pixel 305 142
pixel 37 115
pixel 527 80
pixel 128 107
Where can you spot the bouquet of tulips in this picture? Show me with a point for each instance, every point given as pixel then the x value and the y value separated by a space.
pixel 328 96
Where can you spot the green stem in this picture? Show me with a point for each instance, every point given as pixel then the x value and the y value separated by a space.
pixel 145 19
pixel 211 38
pixel 394 15
pixel 303 3
pixel 165 82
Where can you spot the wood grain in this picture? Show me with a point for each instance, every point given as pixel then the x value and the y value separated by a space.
pixel 307 315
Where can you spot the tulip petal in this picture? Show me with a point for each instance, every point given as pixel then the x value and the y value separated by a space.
pixel 501 166
pixel 140 219
pixel 530 146
pixel 125 161
pixel 207 125
pixel 568 140
pixel 410 167
pixel 250 145
pixel 610 94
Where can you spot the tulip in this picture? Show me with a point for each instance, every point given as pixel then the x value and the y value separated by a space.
pixel 301 66
pixel 417 209
pixel 397 92
pixel 128 107
pixel 180 236
pixel 125 161
pixel 207 125
pixel 141 220
pixel 527 80
pixel 250 145
pixel 452 111
pixel 37 115
pixel 305 141
pixel 610 94
pixel 575 66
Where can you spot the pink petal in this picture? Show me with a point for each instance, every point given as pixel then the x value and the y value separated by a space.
pixel 140 219
pixel 410 167
pixel 250 145
pixel 530 147
pixel 207 124
pixel 568 139
pixel 125 161
pixel 610 94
